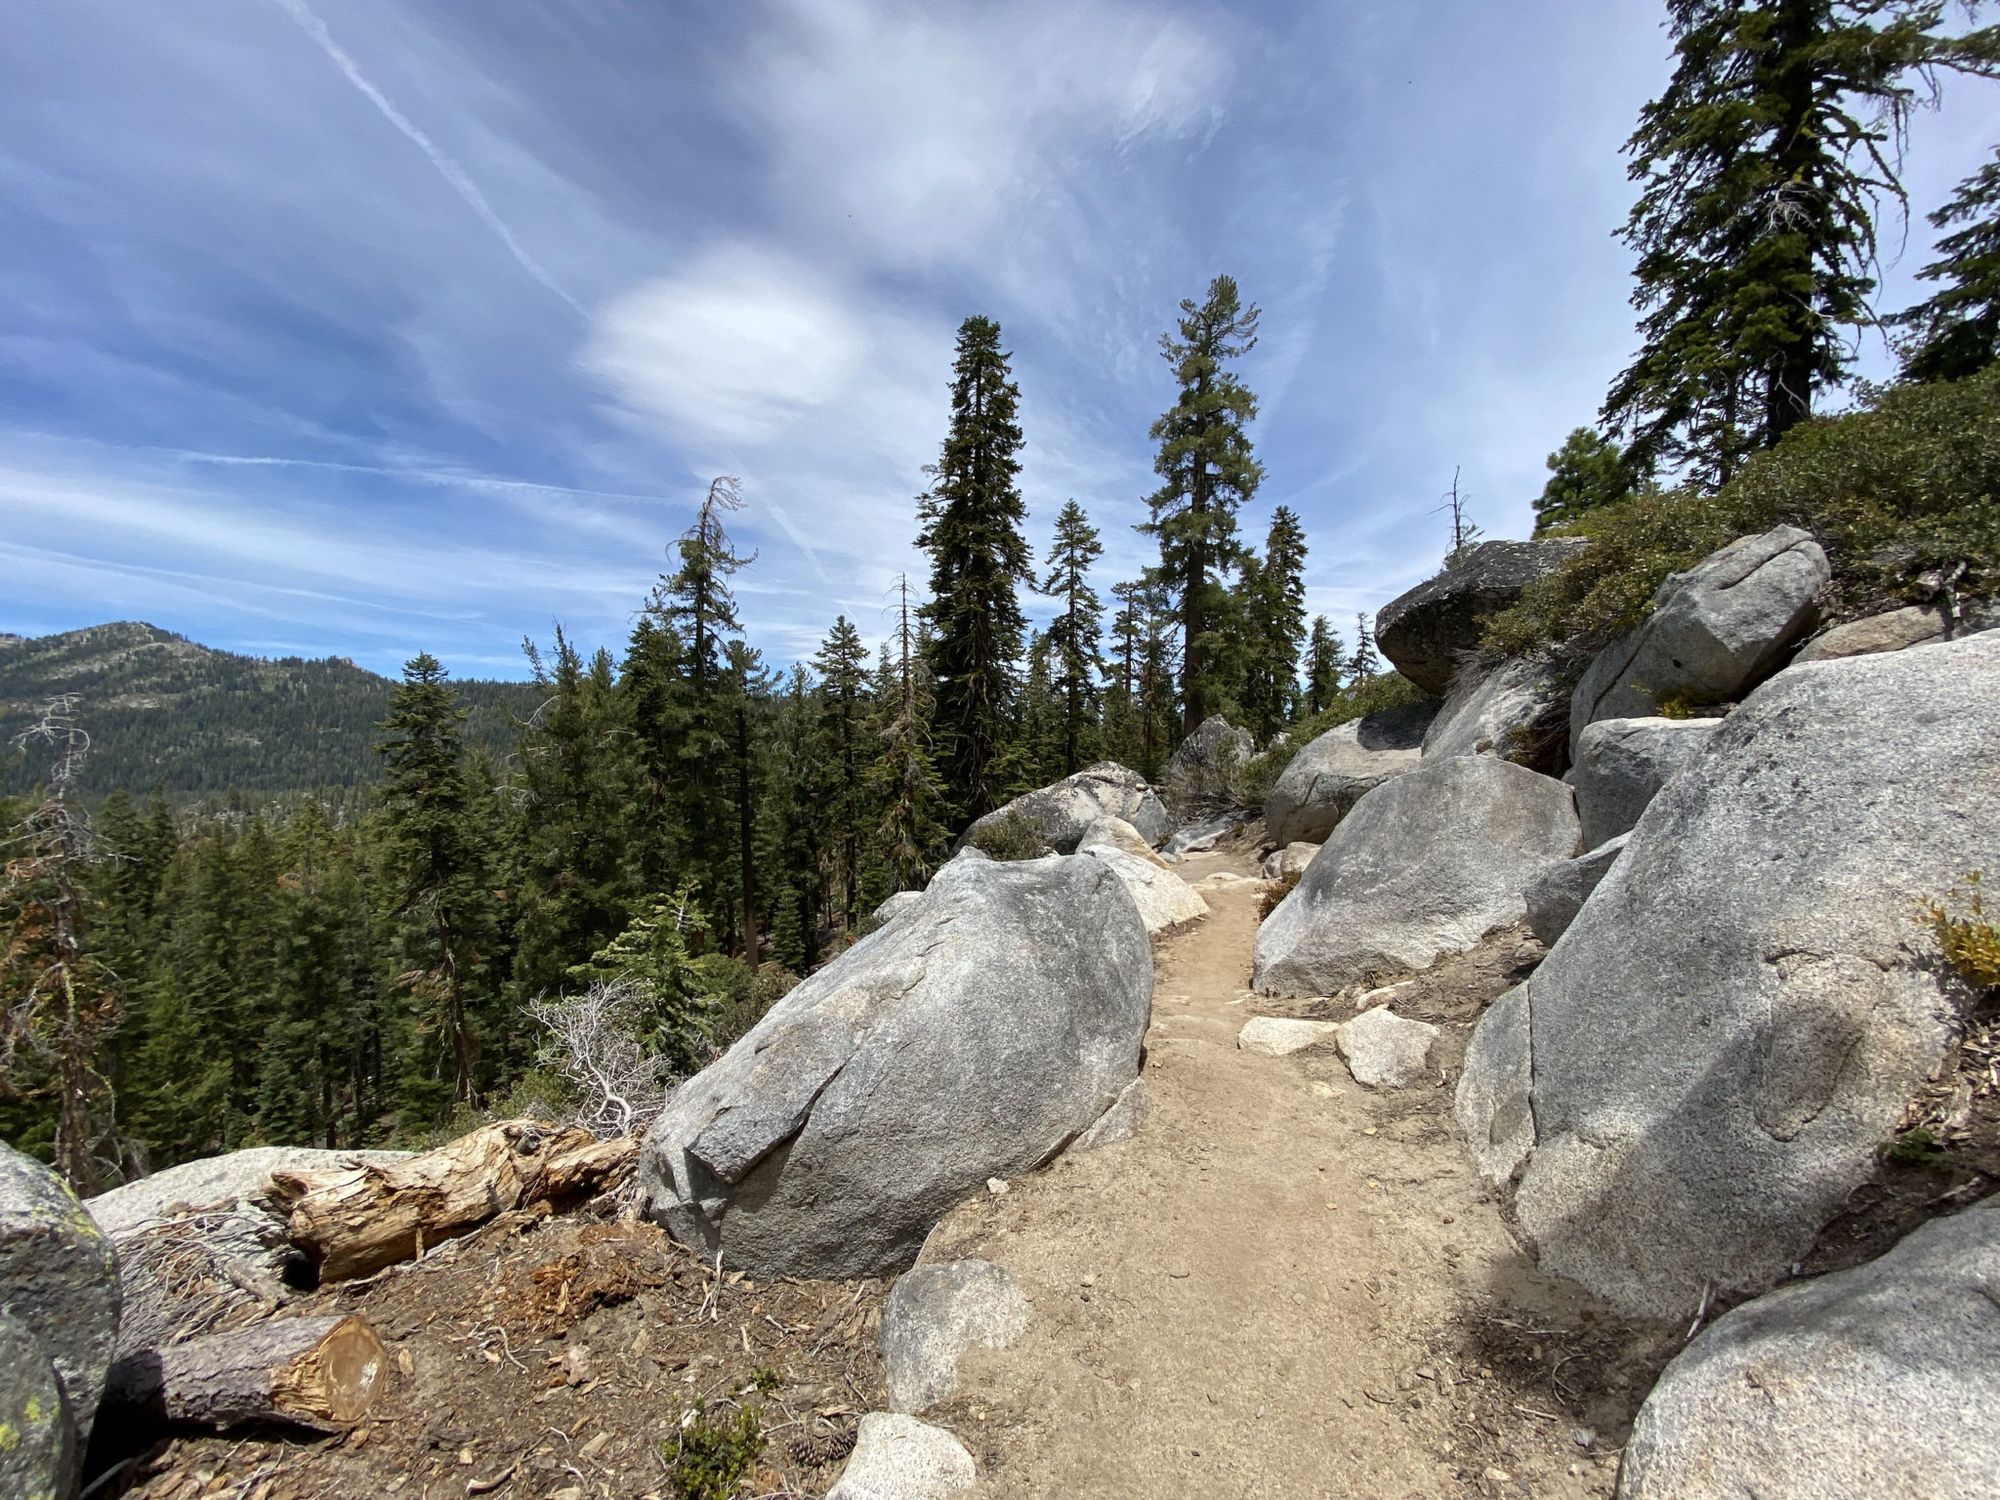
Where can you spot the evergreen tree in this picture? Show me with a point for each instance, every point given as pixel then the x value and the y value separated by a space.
pixel 1588 471
pixel 434 860
pixel 842 664
pixel 906 776
pixel 1956 330
pixel 799 832
pixel 1078 626
pixel 750 687
pixel 1364 663
pixel 1035 753
pixel 1760 169
pixel 1275 606
pixel 651 955
pixel 1323 666
pixel 971 527
pixel 649 683
pixel 1207 472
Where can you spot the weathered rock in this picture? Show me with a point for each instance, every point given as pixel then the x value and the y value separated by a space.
pixel 1715 631
pixel 1556 895
pixel 1060 813
pixel 1621 764
pixel 1898 630
pixel 1124 1120
pixel 1881 1381
pixel 1385 1050
pixel 1428 631
pixel 1516 710
pixel 1281 1036
pixel 1164 899
pixel 1204 834
pixel 1426 864
pixel 895 906
pixel 40 1455
pixel 58 1279
pixel 1333 772
pixel 1116 833
pixel 973 1037
pixel 933 1315
pixel 1494 1105
pixel 896 1457
pixel 1743 1010
pixel 1290 860
pixel 1207 759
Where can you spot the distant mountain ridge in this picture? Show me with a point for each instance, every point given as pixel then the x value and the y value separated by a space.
pixel 165 711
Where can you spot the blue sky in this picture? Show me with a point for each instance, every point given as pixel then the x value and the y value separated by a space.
pixel 360 327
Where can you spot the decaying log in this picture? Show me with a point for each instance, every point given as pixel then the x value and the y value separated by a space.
pixel 317 1373
pixel 354 1220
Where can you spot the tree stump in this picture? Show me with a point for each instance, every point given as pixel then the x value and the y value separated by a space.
pixel 317 1373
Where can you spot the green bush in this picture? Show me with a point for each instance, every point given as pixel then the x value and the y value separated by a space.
pixel 709 1457
pixel 1383 691
pixel 1011 837
pixel 1904 487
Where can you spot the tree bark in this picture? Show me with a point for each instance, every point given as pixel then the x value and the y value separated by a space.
pixel 320 1373
pixel 355 1220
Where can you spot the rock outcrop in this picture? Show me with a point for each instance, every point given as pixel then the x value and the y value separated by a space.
pixel 1164 899
pixel 1556 895
pixel 1428 631
pixel 1881 1381
pixel 40 1453
pixel 58 1280
pixel 1897 630
pixel 935 1314
pixel 1060 813
pixel 1116 833
pixel 1715 631
pixel 1621 764
pixel 973 1037
pixel 1493 1106
pixel 1744 1008
pixel 1208 758
pixel 1426 864
pixel 1516 710
pixel 1321 783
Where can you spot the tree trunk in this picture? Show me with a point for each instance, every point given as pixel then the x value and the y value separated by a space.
pixel 354 1220
pixel 320 1373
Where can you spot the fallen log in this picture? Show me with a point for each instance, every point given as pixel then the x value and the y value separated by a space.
pixel 318 1373
pixel 356 1220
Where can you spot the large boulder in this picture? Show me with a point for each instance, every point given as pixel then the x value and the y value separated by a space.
pixel 1207 759
pixel 40 1453
pixel 1516 710
pixel 1556 895
pixel 1492 1105
pixel 1060 813
pixel 1116 833
pixel 1163 898
pixel 1426 864
pixel 1621 764
pixel 1881 1381
pixel 1715 631
pixel 1290 861
pixel 1428 631
pixel 1333 772
pixel 1744 1009
pixel 973 1037
pixel 58 1280
pixel 1898 630
pixel 936 1314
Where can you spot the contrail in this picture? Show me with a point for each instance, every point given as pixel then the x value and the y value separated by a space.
pixel 448 169
pixel 444 477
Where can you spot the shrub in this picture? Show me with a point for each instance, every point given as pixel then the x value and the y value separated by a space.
pixel 1280 888
pixel 1011 837
pixel 709 1457
pixel 1970 942
pixel 1903 493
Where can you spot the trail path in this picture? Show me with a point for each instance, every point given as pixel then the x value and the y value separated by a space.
pixel 1285 1286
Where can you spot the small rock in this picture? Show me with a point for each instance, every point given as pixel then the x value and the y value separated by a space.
pixel 996 1186
pixel 1277 1036
pixel 934 1314
pixel 1383 1050
pixel 899 1458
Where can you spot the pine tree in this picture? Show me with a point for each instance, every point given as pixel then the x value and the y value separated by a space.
pixel 1956 330
pixel 907 781
pixel 1465 532
pixel 1588 471
pixel 749 688
pixel 649 681
pixel 651 955
pixel 1323 666
pixel 1207 472
pixel 1035 752
pixel 1275 606
pixel 842 664
pixel 971 527
pixel 1078 626
pixel 1760 170
pixel 799 828
pixel 435 860
pixel 1364 663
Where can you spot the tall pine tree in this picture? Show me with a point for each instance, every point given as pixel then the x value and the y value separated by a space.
pixel 1323 666
pixel 1956 330
pixel 1077 628
pixel 1275 609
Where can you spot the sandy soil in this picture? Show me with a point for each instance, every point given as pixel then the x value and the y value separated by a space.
pixel 1287 1285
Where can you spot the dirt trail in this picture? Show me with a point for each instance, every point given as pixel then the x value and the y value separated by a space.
pixel 1285 1286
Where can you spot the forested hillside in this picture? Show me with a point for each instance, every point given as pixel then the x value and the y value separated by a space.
pixel 165 712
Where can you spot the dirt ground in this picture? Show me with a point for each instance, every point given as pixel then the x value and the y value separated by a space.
pixel 1287 1284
